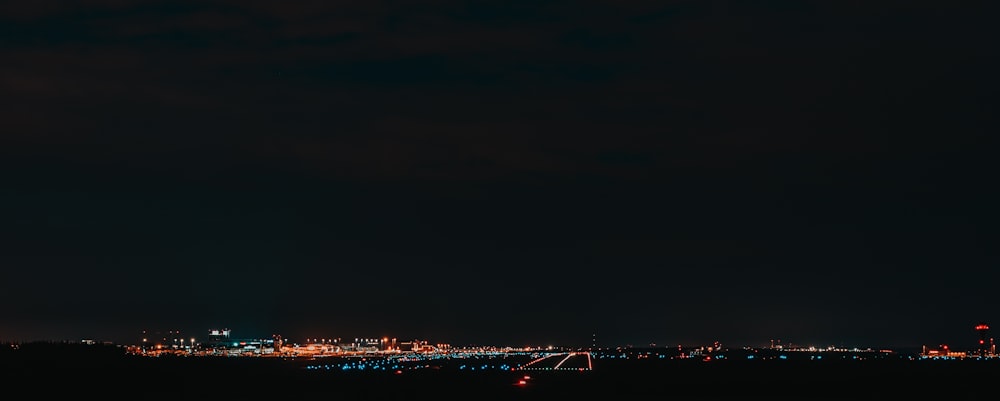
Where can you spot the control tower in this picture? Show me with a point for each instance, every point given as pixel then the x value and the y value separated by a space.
pixel 985 342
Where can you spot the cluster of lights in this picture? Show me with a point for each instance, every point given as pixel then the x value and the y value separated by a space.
pixel 559 360
pixel 400 363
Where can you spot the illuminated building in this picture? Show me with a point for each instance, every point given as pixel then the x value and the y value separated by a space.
pixel 220 342
pixel 942 351
pixel 218 335
pixel 419 346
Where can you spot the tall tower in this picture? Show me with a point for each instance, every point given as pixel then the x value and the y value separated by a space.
pixel 984 330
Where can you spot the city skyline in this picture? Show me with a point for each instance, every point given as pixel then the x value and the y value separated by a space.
pixel 979 339
pixel 500 172
pixel 222 342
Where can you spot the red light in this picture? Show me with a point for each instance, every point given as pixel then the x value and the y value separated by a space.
pixel 980 341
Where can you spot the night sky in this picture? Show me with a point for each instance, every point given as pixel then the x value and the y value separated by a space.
pixel 500 172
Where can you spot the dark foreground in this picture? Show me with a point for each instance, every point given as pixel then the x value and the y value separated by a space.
pixel 116 376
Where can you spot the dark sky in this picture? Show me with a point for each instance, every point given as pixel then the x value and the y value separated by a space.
pixel 500 172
